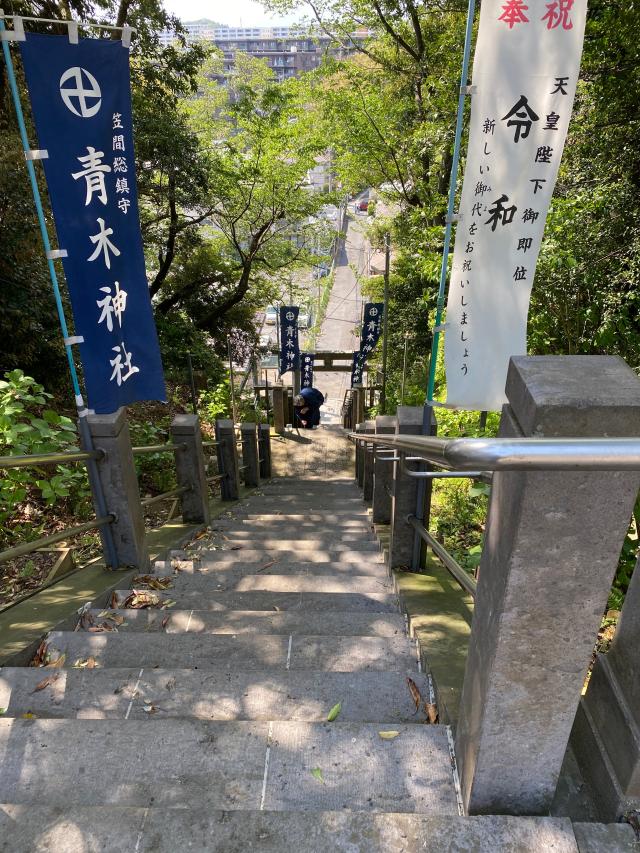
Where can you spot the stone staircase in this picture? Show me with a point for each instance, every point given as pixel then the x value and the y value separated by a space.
pixel 201 723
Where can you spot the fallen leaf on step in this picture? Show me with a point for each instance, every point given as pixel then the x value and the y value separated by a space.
pixel 139 599
pixel 167 603
pixel 165 622
pixel 148 707
pixel 153 581
pixel 415 693
pixel 114 600
pixel 46 682
pixel 388 735
pixel 333 713
pixel 3 711
pixel 39 659
pixel 268 565
pixel 431 710
pixel 276 608
pixel 29 716
pixel 235 548
pixel 317 774
pixel 57 663
pixel 85 663
pixel 171 683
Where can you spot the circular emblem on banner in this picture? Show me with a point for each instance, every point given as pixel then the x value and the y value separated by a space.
pixel 80 92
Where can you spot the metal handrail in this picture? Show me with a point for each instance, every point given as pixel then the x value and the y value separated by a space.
pixel 158 448
pixel 216 478
pixel 49 458
pixel 44 541
pixel 165 495
pixel 454 568
pixel 517 454
pixel 210 443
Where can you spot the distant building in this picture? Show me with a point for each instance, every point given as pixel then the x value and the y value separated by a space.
pixel 288 50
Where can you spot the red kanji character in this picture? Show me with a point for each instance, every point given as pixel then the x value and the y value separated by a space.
pixel 558 14
pixel 514 13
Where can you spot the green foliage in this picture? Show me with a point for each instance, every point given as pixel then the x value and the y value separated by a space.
pixel 28 427
pixel 156 471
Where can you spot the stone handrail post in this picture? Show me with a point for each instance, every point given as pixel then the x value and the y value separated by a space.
pixel 250 454
pixel 227 460
pixel 117 473
pixel 367 464
pixel 264 433
pixel 606 732
pixel 552 543
pixel 278 408
pixel 382 473
pixel 359 456
pixel 405 492
pixel 190 469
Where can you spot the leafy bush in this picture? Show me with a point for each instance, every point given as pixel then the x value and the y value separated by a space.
pixel 28 427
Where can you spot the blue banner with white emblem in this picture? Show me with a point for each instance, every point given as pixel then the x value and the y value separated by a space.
pixel 289 344
pixel 371 328
pixel 357 369
pixel 307 360
pixel 81 104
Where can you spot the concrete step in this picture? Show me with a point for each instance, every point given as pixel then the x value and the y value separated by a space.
pixel 72 829
pixel 272 564
pixel 254 555
pixel 330 542
pixel 142 693
pixel 317 602
pixel 226 765
pixel 239 580
pixel 324 517
pixel 277 522
pixel 252 622
pixel 258 652
pixel 253 533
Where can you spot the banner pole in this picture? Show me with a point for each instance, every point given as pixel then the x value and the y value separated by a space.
pixel 464 76
pixel 85 434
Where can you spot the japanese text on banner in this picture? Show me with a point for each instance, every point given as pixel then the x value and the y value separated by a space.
pixel 525 72
pixel 307 360
pixel 81 103
pixel 289 344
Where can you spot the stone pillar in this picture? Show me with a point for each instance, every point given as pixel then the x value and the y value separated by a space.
pixel 367 464
pixel 359 456
pixel 264 432
pixel 405 490
pixel 227 460
pixel 606 732
pixel 190 469
pixel 382 473
pixel 117 473
pixel 250 454
pixel 278 408
pixel 552 544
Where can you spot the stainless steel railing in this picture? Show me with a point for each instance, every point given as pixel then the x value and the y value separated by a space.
pixel 516 454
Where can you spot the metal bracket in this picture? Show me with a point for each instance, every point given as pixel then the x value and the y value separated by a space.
pixel 455 217
pixel 126 36
pixel 73 32
pixel 75 339
pixel 36 153
pixel 441 328
pixel 468 90
pixel 17 33
pixel 53 254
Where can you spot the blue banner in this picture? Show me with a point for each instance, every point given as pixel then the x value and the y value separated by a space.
pixel 371 327
pixel 357 369
pixel 289 345
pixel 307 360
pixel 81 104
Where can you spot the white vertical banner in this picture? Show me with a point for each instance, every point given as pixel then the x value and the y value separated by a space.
pixel 525 72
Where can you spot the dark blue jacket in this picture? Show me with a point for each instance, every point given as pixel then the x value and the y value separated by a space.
pixel 314 399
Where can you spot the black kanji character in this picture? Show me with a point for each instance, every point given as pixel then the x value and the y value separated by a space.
pixel 524 118
pixel 499 213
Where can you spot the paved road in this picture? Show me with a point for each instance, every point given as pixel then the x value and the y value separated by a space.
pixel 343 313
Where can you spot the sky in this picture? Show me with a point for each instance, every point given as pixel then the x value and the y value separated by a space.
pixel 232 12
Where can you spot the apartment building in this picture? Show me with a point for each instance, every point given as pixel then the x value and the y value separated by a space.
pixel 288 50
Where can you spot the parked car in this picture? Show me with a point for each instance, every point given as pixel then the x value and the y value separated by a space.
pixel 271 315
pixel 363 204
